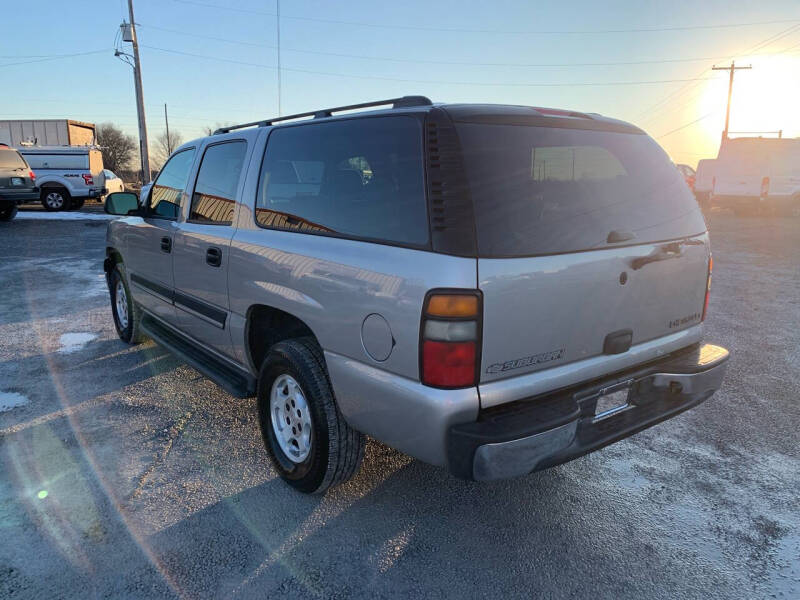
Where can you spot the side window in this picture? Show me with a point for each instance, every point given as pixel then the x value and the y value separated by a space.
pixel 359 178
pixel 215 191
pixel 165 195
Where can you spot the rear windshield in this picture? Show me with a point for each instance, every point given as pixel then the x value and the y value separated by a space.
pixel 10 159
pixel 541 190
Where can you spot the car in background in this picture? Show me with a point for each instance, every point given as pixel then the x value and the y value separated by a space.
pixel 17 182
pixel 703 180
pixel 67 175
pixel 688 175
pixel 112 182
pixel 758 175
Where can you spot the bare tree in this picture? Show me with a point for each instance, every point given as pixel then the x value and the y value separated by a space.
pixel 117 147
pixel 209 130
pixel 165 146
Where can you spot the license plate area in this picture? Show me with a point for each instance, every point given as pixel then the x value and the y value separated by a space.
pixel 17 181
pixel 612 401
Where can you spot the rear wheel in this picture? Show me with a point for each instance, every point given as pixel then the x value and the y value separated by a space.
pixel 8 213
pixel 310 444
pixel 77 203
pixel 54 199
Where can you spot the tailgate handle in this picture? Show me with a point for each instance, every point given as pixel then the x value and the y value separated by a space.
pixel 618 342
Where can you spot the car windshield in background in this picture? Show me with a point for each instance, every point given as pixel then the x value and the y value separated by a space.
pixel 10 159
pixel 542 190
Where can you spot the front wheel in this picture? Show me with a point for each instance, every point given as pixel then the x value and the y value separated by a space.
pixel 8 213
pixel 127 316
pixel 309 443
pixel 54 199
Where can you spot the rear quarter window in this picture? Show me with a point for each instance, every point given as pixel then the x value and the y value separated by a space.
pixel 10 159
pixel 359 178
pixel 545 190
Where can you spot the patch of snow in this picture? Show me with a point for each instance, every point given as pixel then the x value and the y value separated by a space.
pixel 64 216
pixel 9 400
pixel 72 342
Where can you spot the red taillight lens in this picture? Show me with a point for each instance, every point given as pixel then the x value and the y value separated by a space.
pixel 32 175
pixel 708 288
pixel 764 187
pixel 448 364
pixel 88 179
pixel 450 339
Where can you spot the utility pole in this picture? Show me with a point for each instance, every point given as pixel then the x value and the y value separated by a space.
pixel 166 121
pixel 732 68
pixel 278 21
pixel 144 149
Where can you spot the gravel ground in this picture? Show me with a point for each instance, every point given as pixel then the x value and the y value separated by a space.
pixel 125 474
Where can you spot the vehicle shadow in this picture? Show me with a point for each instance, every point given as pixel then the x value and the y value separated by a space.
pixel 97 369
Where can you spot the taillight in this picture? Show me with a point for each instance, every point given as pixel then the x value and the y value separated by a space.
pixel 450 338
pixel 88 179
pixel 708 287
pixel 764 187
pixel 32 175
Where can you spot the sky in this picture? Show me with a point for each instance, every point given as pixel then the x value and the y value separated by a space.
pixel 215 62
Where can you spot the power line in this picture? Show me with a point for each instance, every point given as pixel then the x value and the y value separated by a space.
pixel 438 62
pixel 685 126
pixel 54 57
pixel 760 45
pixel 430 81
pixel 501 31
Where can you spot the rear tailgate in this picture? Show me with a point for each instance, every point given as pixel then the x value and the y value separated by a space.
pixel 547 311
pixel 589 243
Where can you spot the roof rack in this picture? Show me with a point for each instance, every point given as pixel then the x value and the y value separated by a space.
pixel 404 102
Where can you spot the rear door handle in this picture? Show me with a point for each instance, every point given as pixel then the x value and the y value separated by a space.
pixel 214 256
pixel 166 244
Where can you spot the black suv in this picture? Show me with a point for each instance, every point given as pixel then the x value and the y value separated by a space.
pixel 17 182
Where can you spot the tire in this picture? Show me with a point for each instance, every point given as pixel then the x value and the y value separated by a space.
pixel 127 315
pixel 8 213
pixel 55 198
pixel 333 451
pixel 77 203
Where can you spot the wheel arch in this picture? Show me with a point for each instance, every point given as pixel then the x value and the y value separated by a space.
pixel 265 326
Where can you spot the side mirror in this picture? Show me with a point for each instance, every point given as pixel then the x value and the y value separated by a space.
pixel 122 203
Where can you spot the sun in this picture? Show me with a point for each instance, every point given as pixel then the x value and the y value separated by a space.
pixel 764 98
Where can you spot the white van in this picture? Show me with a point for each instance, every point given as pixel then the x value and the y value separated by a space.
pixel 66 175
pixel 704 179
pixel 758 175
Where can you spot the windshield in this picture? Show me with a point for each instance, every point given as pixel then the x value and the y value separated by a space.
pixel 10 159
pixel 541 190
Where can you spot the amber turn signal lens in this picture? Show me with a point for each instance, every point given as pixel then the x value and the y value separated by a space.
pixel 453 305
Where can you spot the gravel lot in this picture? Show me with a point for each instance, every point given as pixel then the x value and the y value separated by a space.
pixel 125 474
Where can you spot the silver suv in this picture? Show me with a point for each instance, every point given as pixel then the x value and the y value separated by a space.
pixel 494 289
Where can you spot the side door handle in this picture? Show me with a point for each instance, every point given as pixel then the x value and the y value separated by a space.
pixel 214 256
pixel 166 244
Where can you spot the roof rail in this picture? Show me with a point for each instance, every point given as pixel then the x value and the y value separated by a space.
pixel 404 102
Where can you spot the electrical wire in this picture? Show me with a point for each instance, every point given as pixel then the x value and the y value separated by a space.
pixel 429 81
pixel 677 129
pixel 54 57
pixel 435 62
pixel 500 31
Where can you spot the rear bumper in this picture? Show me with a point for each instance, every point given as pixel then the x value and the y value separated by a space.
pixel 19 196
pixel 534 434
